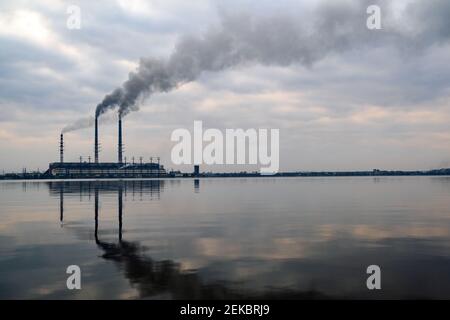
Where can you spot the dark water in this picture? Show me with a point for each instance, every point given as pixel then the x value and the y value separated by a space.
pixel 226 238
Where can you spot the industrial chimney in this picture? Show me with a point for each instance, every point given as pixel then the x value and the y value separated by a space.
pixel 96 140
pixel 61 149
pixel 120 147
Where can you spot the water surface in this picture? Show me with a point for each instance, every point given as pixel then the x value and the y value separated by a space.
pixel 287 238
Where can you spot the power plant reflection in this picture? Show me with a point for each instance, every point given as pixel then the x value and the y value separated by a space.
pixel 157 278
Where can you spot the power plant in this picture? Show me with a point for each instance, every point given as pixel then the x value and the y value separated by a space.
pixel 97 169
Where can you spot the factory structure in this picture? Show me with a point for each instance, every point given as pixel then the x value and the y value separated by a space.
pixel 97 169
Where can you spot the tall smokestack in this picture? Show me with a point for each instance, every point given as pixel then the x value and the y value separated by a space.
pixel 96 140
pixel 61 149
pixel 120 140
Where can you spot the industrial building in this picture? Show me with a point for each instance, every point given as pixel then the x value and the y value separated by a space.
pixel 105 170
pixel 96 169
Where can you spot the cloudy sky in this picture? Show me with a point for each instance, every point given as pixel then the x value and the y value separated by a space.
pixel 344 97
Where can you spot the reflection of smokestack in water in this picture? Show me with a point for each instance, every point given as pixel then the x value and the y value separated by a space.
pixel 61 149
pixel 61 202
pixel 196 185
pixel 120 140
pixel 120 212
pixel 96 140
pixel 96 213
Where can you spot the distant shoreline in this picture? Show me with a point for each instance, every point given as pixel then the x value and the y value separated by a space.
pixel 175 175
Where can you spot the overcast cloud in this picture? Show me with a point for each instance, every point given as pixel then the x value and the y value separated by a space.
pixel 344 97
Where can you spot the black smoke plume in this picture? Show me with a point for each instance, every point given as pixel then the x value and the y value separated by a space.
pixel 279 39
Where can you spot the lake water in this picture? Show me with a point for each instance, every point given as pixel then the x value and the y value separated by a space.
pixel 287 238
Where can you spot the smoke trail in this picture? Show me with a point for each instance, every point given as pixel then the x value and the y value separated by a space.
pixel 88 122
pixel 272 40
pixel 281 39
pixel 79 124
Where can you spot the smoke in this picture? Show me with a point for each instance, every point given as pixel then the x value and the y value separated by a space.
pixel 79 124
pixel 88 122
pixel 280 39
